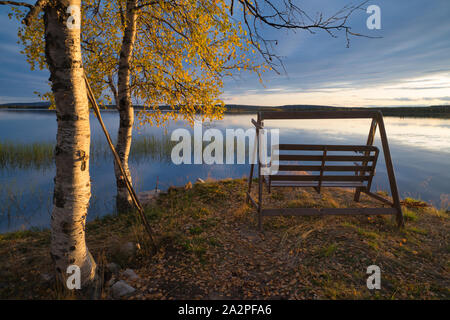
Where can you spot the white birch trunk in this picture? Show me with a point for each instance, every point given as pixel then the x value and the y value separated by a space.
pixel 72 182
pixel 126 112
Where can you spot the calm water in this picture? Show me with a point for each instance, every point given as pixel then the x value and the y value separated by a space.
pixel 420 150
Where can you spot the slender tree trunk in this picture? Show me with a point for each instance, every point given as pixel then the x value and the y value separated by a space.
pixel 113 89
pixel 123 199
pixel 72 182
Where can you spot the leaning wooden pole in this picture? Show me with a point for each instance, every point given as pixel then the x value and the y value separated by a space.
pixel 130 189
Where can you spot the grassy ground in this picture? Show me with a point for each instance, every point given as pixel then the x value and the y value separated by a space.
pixel 211 249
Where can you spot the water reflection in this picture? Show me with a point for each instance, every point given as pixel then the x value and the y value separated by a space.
pixel 420 150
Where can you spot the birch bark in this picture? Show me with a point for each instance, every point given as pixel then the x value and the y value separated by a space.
pixel 126 111
pixel 72 189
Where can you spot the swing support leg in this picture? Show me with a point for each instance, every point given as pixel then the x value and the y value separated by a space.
pixel 370 139
pixel 390 172
pixel 260 182
pixel 250 178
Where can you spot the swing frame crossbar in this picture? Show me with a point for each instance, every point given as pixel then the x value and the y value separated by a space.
pixel 361 180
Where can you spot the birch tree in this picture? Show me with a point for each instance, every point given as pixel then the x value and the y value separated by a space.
pixel 172 53
pixel 72 181
pixel 72 188
pixel 125 106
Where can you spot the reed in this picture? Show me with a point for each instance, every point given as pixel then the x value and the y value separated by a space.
pixel 39 155
pixel 21 155
pixel 153 147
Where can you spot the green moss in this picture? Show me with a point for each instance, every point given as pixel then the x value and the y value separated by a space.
pixel 417 230
pixel 196 245
pixel 18 235
pixel 348 224
pixel 277 195
pixel 214 242
pixel 383 193
pixel 411 202
pixel 201 212
pixel 210 192
pixel 410 215
pixel 154 213
pixel 330 250
pixel 305 203
pixel 368 234
pixel 374 245
pixel 196 230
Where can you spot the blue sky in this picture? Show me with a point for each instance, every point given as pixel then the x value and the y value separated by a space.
pixel 408 66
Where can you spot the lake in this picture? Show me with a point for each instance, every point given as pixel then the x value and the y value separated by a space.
pixel 420 149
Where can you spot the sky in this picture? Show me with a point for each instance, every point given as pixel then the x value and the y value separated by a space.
pixel 409 65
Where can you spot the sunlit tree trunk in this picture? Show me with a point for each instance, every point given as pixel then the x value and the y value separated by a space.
pixel 72 182
pixel 123 199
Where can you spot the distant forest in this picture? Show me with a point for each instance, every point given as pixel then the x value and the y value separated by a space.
pixel 431 111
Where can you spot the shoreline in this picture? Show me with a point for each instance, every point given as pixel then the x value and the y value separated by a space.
pixel 410 112
pixel 209 248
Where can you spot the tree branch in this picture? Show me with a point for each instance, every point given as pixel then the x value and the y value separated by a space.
pixel 151 3
pixel 17 4
pixel 289 16
pixel 34 11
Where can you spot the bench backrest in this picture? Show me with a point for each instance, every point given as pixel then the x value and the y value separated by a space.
pixel 339 164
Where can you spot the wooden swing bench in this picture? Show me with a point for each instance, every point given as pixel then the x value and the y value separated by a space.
pixel 348 166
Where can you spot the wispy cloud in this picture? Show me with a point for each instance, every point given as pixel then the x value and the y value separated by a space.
pixel 409 64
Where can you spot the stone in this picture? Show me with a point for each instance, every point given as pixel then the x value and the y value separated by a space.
pixel 215 296
pixel 130 274
pixel 121 289
pixel 111 281
pixel 128 249
pixel 46 277
pixel 112 267
pixel 147 197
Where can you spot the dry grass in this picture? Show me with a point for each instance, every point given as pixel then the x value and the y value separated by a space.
pixel 210 248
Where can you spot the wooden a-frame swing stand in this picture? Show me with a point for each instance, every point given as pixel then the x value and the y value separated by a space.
pixel 358 176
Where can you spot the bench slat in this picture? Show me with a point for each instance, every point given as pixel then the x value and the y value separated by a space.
pixel 317 147
pixel 300 157
pixel 349 184
pixel 325 168
pixel 317 178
